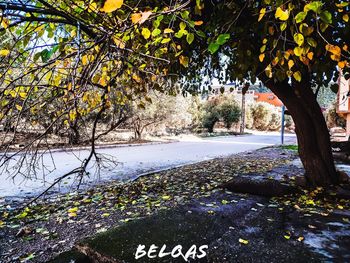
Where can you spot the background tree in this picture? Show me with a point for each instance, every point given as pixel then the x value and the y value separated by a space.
pixel 159 108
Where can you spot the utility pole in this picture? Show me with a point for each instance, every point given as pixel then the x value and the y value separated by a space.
pixel 282 126
pixel 244 91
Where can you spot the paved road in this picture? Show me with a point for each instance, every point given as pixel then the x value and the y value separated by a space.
pixel 136 160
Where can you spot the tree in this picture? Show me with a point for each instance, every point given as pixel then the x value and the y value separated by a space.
pixel 74 61
pixel 62 50
pixel 159 108
pixel 290 46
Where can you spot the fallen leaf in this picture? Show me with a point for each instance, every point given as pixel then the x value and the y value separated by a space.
pixel 243 241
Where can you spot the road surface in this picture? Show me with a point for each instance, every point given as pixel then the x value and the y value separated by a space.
pixel 135 160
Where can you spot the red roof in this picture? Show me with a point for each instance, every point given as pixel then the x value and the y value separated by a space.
pixel 268 98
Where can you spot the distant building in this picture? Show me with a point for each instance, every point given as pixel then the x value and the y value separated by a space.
pixel 254 94
pixel 268 98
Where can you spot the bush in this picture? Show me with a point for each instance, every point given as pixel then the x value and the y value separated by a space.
pixel 230 113
pixel 220 108
pixel 276 120
pixel 210 119
pixel 210 113
pixel 333 119
pixel 263 116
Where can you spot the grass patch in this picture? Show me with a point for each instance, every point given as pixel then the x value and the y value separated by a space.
pixel 291 147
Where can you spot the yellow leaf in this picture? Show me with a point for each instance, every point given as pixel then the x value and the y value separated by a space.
pixel 262 14
pixel 119 43
pixel 73 210
pixel 300 239
pixel 341 64
pixel 268 71
pixel 287 237
pixel 168 30
pixel 198 23
pixel 140 17
pixel 4 52
pixel 136 78
pixel 299 39
pixel 72 116
pixel 243 241
pixel 166 197
pixel 23 95
pixel 297 76
pixel 282 15
pixel 84 60
pixel 262 57
pixel 18 107
pixel 298 51
pixel 290 64
pixel 135 18
pixel 5 22
pixel 146 33
pixel 92 7
pixel 111 5
pixel 346 18
pixel 184 61
pixel 72 214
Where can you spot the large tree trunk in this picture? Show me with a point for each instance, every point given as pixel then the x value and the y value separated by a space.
pixel 311 129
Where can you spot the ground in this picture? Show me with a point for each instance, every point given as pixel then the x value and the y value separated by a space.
pixel 310 223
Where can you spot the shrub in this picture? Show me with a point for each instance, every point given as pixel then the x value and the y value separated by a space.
pixel 333 119
pixel 263 116
pixel 210 119
pixel 210 113
pixel 220 108
pixel 276 120
pixel 229 112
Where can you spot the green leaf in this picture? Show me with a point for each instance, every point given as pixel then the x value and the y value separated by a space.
pixel 213 48
pixel 156 32
pixel 300 17
pixel 190 38
pixel 315 6
pixel 326 17
pixel 222 39
pixel 45 55
pixel 312 42
pixel 283 26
